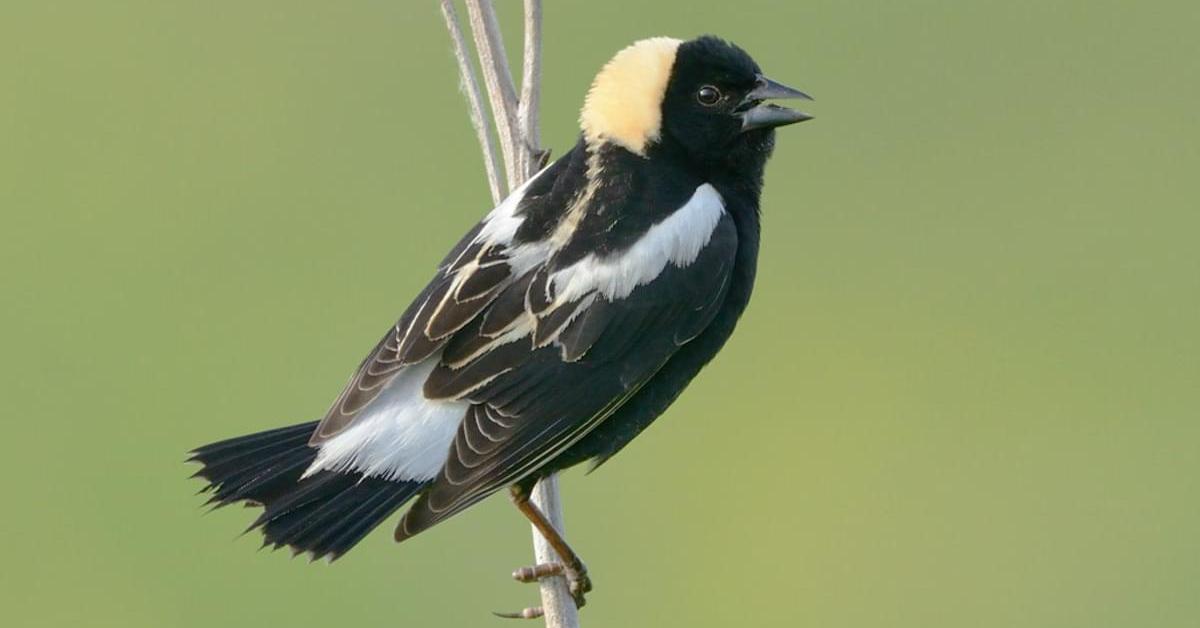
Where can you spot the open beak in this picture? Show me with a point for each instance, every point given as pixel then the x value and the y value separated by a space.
pixel 763 115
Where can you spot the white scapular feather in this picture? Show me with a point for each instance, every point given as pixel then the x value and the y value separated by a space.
pixel 501 224
pixel 678 240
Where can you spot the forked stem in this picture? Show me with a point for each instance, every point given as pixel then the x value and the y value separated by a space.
pixel 516 125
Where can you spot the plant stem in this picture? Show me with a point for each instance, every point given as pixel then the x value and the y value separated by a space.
pixel 489 44
pixel 517 131
pixel 470 88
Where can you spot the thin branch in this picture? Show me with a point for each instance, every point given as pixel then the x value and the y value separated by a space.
pixel 557 604
pixel 517 130
pixel 531 87
pixel 470 87
pixel 498 78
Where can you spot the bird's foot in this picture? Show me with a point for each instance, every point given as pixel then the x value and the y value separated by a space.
pixel 578 583
pixel 532 612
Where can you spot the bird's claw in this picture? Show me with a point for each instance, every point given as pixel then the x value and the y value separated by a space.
pixel 532 612
pixel 537 572
pixel 578 583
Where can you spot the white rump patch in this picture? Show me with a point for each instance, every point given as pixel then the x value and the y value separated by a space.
pixel 678 239
pixel 399 435
pixel 624 104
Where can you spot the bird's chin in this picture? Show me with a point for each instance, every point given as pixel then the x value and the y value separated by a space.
pixel 757 142
pixel 746 155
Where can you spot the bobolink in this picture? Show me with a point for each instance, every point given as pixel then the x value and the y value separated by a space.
pixel 556 330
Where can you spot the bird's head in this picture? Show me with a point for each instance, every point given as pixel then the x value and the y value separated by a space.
pixel 704 99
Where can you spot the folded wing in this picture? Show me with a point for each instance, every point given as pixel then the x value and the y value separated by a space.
pixel 554 355
pixel 521 345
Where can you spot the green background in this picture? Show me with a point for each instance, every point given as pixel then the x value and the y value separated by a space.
pixel 965 393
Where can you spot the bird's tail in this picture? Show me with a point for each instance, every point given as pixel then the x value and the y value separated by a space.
pixel 324 514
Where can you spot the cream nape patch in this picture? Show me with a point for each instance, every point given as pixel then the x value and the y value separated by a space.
pixel 624 104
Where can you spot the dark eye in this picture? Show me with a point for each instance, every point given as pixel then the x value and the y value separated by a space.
pixel 708 96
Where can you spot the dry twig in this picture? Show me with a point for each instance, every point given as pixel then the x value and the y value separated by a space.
pixel 516 124
pixel 531 88
pixel 489 43
pixel 470 88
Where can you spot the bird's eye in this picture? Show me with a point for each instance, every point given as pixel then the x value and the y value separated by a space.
pixel 708 96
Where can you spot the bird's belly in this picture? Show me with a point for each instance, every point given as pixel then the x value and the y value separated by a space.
pixel 653 399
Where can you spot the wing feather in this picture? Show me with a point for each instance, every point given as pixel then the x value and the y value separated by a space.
pixel 469 279
pixel 541 341
pixel 567 366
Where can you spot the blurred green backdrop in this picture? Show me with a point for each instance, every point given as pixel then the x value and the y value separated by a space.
pixel 964 395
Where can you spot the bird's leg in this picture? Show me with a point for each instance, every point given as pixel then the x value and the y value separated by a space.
pixel 570 566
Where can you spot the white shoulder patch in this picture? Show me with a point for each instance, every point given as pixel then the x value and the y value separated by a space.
pixel 678 240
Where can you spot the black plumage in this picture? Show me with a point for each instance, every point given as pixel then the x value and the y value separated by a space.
pixel 558 328
pixel 324 514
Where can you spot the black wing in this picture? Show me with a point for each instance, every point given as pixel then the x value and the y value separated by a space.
pixel 541 373
pixel 471 276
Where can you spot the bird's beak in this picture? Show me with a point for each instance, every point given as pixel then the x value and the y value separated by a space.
pixel 763 115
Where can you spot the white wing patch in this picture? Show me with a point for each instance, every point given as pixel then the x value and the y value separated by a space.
pixel 399 435
pixel 402 435
pixel 677 240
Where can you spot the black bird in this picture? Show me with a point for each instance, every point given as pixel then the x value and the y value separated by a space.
pixel 556 330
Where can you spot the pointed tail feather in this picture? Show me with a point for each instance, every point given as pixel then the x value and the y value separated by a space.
pixel 325 514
